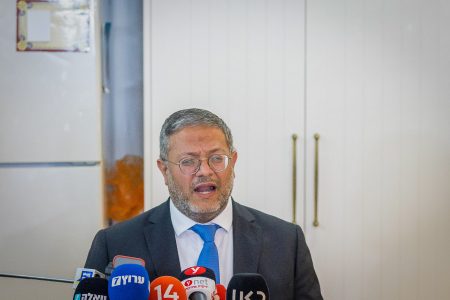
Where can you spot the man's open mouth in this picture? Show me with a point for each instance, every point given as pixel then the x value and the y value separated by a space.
pixel 205 188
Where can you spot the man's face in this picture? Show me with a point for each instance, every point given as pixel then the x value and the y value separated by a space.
pixel 203 195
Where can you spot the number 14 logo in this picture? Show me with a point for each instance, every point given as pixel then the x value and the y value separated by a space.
pixel 167 293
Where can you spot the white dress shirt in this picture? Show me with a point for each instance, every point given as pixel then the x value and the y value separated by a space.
pixel 190 244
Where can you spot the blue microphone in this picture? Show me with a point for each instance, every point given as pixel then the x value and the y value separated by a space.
pixel 129 282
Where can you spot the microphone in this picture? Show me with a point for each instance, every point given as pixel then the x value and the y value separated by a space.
pixel 92 288
pixel 108 270
pixel 82 273
pixel 167 287
pixel 221 292
pixel 248 286
pixel 128 282
pixel 199 282
pixel 119 260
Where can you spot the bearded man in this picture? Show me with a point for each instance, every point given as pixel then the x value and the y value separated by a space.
pixel 197 160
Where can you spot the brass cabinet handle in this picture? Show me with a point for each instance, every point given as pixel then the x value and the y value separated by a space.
pixel 294 177
pixel 316 180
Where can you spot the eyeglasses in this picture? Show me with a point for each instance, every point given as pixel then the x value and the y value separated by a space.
pixel 190 165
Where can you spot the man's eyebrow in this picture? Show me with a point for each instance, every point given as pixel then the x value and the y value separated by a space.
pixel 196 154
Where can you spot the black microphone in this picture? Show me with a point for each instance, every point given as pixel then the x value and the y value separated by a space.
pixel 199 282
pixel 248 286
pixel 82 273
pixel 198 296
pixel 92 288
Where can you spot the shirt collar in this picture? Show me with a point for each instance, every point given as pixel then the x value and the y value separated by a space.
pixel 181 223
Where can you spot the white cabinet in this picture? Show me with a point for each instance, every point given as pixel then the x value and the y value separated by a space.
pixel 50 162
pixel 371 78
pixel 378 93
pixel 47 228
pixel 49 104
pixel 48 219
pixel 245 62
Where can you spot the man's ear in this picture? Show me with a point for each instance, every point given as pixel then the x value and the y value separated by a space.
pixel 234 157
pixel 163 168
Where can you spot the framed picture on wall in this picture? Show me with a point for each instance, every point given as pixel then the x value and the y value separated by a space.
pixel 53 25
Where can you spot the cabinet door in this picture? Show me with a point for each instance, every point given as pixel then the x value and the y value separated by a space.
pixel 49 101
pixel 378 94
pixel 243 60
pixel 48 218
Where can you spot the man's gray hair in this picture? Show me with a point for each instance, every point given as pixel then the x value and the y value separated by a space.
pixel 189 118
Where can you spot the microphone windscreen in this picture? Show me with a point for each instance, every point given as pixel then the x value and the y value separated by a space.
pixel 199 282
pixel 129 282
pixel 250 286
pixel 92 288
pixel 221 292
pixel 119 260
pixel 197 271
pixel 167 287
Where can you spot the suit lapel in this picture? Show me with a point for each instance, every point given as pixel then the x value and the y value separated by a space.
pixel 247 240
pixel 160 238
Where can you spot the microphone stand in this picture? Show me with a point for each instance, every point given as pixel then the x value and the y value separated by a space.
pixel 17 276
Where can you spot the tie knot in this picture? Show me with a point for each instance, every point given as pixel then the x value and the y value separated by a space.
pixel 206 232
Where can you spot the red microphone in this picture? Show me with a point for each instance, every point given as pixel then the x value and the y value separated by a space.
pixel 167 287
pixel 221 292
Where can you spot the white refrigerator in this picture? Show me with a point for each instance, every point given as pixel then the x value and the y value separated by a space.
pixel 50 161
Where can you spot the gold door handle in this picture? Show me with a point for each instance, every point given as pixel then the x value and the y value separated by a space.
pixel 294 177
pixel 316 180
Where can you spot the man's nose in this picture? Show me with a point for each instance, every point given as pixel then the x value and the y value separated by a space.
pixel 204 169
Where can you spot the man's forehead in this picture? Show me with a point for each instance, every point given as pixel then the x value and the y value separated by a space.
pixel 198 132
pixel 198 138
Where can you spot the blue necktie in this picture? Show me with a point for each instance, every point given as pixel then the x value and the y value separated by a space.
pixel 209 257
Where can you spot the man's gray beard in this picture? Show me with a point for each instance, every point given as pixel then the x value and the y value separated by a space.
pixel 189 209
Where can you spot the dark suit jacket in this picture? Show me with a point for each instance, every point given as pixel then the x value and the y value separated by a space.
pixel 262 244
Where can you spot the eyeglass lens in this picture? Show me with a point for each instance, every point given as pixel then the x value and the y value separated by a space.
pixel 217 162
